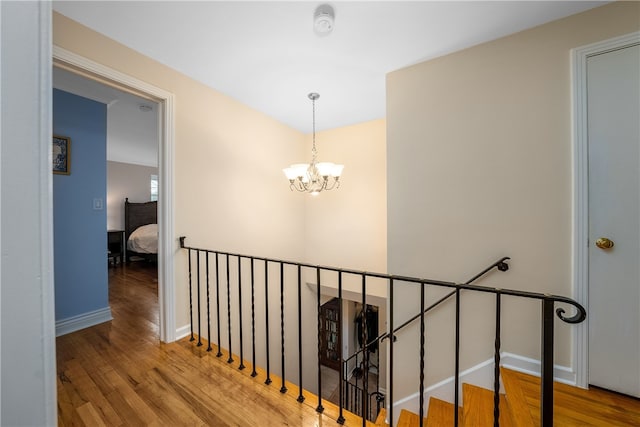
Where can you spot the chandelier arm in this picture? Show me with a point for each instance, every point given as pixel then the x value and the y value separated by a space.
pixel 334 184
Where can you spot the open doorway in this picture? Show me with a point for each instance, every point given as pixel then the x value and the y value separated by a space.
pixel 361 371
pixel 165 112
pixel 112 144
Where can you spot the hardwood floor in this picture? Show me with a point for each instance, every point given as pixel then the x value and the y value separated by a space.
pixel 575 407
pixel 119 374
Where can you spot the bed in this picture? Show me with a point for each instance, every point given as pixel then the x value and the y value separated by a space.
pixel 141 230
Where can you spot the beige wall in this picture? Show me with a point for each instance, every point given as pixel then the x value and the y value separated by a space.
pixel 347 227
pixel 126 180
pixel 229 189
pixel 479 167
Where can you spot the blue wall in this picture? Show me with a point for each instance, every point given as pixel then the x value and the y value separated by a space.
pixel 80 238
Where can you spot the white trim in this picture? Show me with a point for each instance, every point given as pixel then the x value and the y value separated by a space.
pixel 47 372
pixel 183 331
pixel 84 320
pixel 527 365
pixel 580 230
pixel 46 212
pixel 166 244
pixel 331 292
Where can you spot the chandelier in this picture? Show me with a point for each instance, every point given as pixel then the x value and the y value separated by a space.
pixel 316 176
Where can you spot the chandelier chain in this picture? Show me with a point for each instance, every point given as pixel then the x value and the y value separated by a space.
pixel 314 151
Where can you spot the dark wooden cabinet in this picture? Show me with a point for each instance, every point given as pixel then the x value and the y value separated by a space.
pixel 115 246
pixel 330 336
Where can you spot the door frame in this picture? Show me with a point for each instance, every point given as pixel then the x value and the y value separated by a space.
pixel 167 245
pixel 580 248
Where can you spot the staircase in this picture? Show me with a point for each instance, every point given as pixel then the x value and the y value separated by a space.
pixel 520 406
pixel 208 289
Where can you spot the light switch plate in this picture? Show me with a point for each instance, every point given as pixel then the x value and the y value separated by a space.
pixel 98 204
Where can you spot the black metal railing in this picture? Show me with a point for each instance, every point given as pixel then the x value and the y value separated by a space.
pixel 286 267
pixel 354 392
pixel 500 265
pixel 355 397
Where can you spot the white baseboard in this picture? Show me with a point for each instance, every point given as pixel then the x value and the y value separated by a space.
pixel 480 375
pixel 183 331
pixel 561 374
pixel 81 321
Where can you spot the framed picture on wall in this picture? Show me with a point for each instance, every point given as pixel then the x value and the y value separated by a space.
pixel 61 155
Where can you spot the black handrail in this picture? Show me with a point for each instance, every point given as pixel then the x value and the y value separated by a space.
pixel 500 265
pixel 548 305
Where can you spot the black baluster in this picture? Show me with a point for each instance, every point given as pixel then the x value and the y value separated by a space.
pixel 365 354
pixel 241 367
pixel 456 390
pixel 422 339
pixel 300 396
pixel 391 340
pixel 253 321
pixel 340 419
pixel 354 397
pixel 283 389
pixel 208 305
pixel 219 353
pixel 320 408
pixel 496 367
pixel 266 317
pixel 230 359
pixel 190 299
pixel 198 282
pixel 546 389
pixel 346 395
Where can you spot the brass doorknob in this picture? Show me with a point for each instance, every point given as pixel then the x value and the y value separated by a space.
pixel 604 243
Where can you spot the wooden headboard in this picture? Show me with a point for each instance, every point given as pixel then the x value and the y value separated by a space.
pixel 138 214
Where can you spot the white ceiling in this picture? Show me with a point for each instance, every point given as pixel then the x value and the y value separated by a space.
pixel 266 54
pixel 132 133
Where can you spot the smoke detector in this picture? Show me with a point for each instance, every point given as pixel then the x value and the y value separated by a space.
pixel 323 19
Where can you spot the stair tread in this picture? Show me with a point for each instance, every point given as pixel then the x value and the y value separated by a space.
pixel 381 420
pixel 516 400
pixel 441 413
pixel 506 416
pixel 479 406
pixel 408 419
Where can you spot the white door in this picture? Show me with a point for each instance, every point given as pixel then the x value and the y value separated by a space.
pixel 613 113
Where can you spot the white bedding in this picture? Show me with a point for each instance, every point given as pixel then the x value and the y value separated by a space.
pixel 144 239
